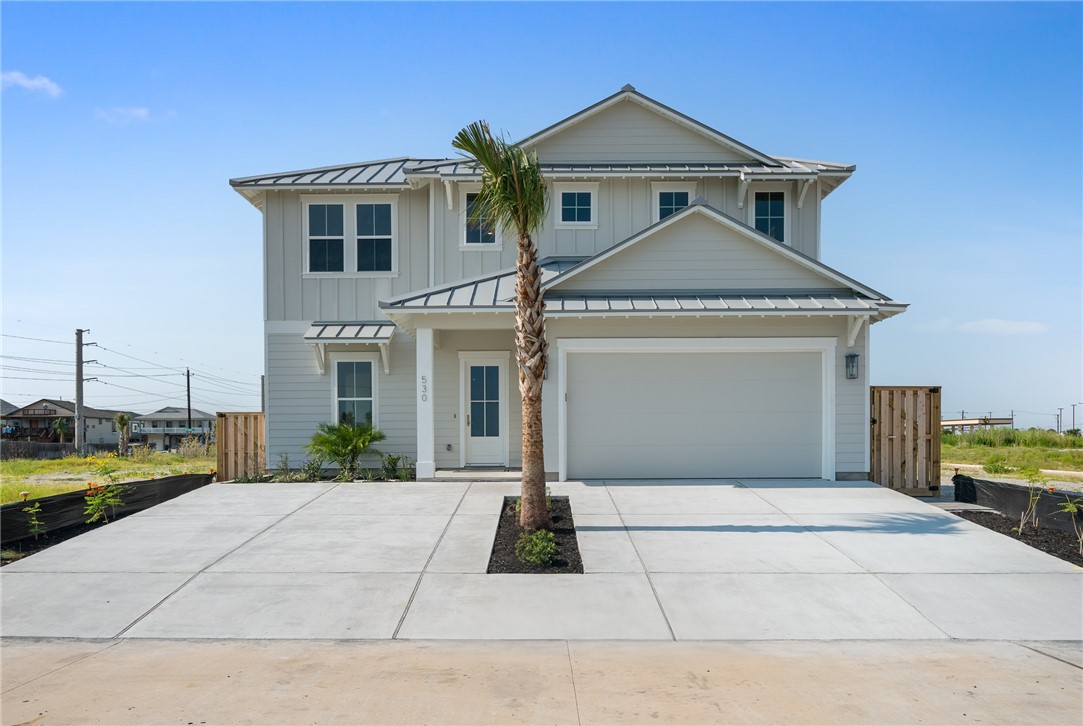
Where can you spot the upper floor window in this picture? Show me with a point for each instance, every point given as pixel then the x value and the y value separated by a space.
pixel 670 198
pixel 477 233
pixel 576 205
pixel 367 222
pixel 769 214
pixel 374 237
pixel 325 238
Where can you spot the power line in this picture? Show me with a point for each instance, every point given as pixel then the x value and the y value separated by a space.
pixel 40 340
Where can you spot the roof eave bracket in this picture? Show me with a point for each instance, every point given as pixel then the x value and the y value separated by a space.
pixel 449 194
pixel 385 356
pixel 321 357
pixel 742 191
pixel 803 192
pixel 853 327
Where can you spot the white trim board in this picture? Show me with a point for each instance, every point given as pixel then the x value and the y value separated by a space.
pixel 824 346
pixel 503 358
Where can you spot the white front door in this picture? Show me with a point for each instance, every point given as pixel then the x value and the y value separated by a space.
pixel 485 420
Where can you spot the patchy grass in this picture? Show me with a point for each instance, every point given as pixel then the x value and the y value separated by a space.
pixel 45 477
pixel 1005 459
pixel 1005 437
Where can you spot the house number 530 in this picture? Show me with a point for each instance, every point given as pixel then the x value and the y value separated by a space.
pixel 424 383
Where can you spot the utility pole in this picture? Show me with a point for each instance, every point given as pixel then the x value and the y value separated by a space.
pixel 188 378
pixel 1060 412
pixel 79 437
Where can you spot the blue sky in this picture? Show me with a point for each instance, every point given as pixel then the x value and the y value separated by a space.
pixel 123 122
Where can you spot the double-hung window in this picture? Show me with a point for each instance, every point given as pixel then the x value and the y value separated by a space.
pixel 352 235
pixel 576 205
pixel 768 213
pixel 670 198
pixel 355 389
pixel 474 235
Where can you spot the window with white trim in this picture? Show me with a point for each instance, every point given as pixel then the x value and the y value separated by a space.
pixel 475 235
pixel 355 388
pixel 767 213
pixel 670 198
pixel 576 205
pixel 354 235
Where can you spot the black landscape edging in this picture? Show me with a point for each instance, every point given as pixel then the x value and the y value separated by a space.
pixel 1011 500
pixel 68 510
pixel 502 559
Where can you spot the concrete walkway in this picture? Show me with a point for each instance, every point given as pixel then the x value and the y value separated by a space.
pixel 139 681
pixel 686 561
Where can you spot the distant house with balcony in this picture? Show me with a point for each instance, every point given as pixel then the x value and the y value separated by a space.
pixel 165 428
pixel 38 422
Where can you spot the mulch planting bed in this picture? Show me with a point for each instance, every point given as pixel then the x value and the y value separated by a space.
pixel 503 559
pixel 1051 541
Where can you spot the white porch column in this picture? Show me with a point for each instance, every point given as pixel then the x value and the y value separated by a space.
pixel 426 419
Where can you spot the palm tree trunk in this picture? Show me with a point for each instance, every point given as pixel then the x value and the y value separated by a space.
pixel 531 353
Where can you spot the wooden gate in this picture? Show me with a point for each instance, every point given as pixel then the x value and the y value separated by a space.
pixel 241 445
pixel 906 439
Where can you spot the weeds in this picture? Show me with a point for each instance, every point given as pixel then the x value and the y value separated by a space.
pixel 33 522
pixel 312 469
pixel 1036 483
pixel 1028 438
pixel 1074 509
pixel 103 499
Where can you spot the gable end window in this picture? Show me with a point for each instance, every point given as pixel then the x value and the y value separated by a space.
pixel 670 198
pixel 576 205
pixel 476 232
pixel 350 236
pixel 769 210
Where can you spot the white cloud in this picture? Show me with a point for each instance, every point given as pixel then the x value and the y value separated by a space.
pixel 37 84
pixel 123 115
pixel 995 326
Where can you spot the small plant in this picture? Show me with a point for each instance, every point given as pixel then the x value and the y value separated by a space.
pixel 536 548
pixel 1074 510
pixel 142 454
pixel 996 465
pixel 103 499
pixel 8 555
pixel 33 522
pixel 312 469
pixel 1036 482
pixel 345 443
pixel 389 466
pixel 283 472
pixel 190 447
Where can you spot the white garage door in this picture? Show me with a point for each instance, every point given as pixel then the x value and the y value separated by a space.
pixel 694 415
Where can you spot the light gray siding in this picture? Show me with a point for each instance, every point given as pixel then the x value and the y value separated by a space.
pixel 627 131
pixel 299 397
pixel 696 253
pixel 292 295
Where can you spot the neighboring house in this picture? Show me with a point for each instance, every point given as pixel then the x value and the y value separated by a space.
pixel 165 428
pixel 38 421
pixel 693 330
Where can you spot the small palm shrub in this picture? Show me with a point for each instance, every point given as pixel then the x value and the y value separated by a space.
pixel 536 548
pixel 345 443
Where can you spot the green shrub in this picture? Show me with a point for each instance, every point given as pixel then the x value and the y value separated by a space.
pixel 536 548
pixel 345 443
pixel 312 469
pixel 996 465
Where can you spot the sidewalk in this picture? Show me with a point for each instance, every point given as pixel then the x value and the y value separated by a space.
pixel 558 682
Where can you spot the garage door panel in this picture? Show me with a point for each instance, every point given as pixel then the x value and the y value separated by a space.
pixel 694 414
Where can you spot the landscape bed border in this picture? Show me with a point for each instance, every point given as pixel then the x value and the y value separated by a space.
pixel 61 511
pixel 1012 500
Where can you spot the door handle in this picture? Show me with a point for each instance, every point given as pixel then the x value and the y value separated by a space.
pixel 467 419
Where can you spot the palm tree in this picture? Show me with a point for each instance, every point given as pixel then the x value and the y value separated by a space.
pixel 123 422
pixel 514 196
pixel 62 426
pixel 345 443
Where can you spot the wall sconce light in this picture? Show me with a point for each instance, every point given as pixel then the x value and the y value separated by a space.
pixel 851 365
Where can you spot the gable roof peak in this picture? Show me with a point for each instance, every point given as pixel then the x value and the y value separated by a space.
pixel 627 87
pixel 698 201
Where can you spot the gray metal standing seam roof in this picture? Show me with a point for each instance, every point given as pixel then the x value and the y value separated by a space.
pixel 377 331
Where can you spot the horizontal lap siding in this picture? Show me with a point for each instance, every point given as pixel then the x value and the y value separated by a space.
pixel 696 254
pixel 299 398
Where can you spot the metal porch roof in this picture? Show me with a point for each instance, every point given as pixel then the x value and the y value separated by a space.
pixel 379 331
pixel 809 302
pixel 465 169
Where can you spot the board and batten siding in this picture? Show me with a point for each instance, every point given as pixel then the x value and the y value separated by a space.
pixel 696 253
pixel 299 397
pixel 851 404
pixel 291 295
pixel 627 131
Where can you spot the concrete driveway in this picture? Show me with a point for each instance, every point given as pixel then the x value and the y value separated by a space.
pixel 710 560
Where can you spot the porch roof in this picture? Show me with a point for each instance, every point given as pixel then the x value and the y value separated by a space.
pixel 377 331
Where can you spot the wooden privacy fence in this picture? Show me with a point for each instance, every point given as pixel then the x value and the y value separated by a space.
pixel 241 445
pixel 906 438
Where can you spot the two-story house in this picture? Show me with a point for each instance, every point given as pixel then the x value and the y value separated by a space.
pixel 165 428
pixel 693 330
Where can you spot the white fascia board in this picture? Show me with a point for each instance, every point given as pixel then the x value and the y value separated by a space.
pixel 707 313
